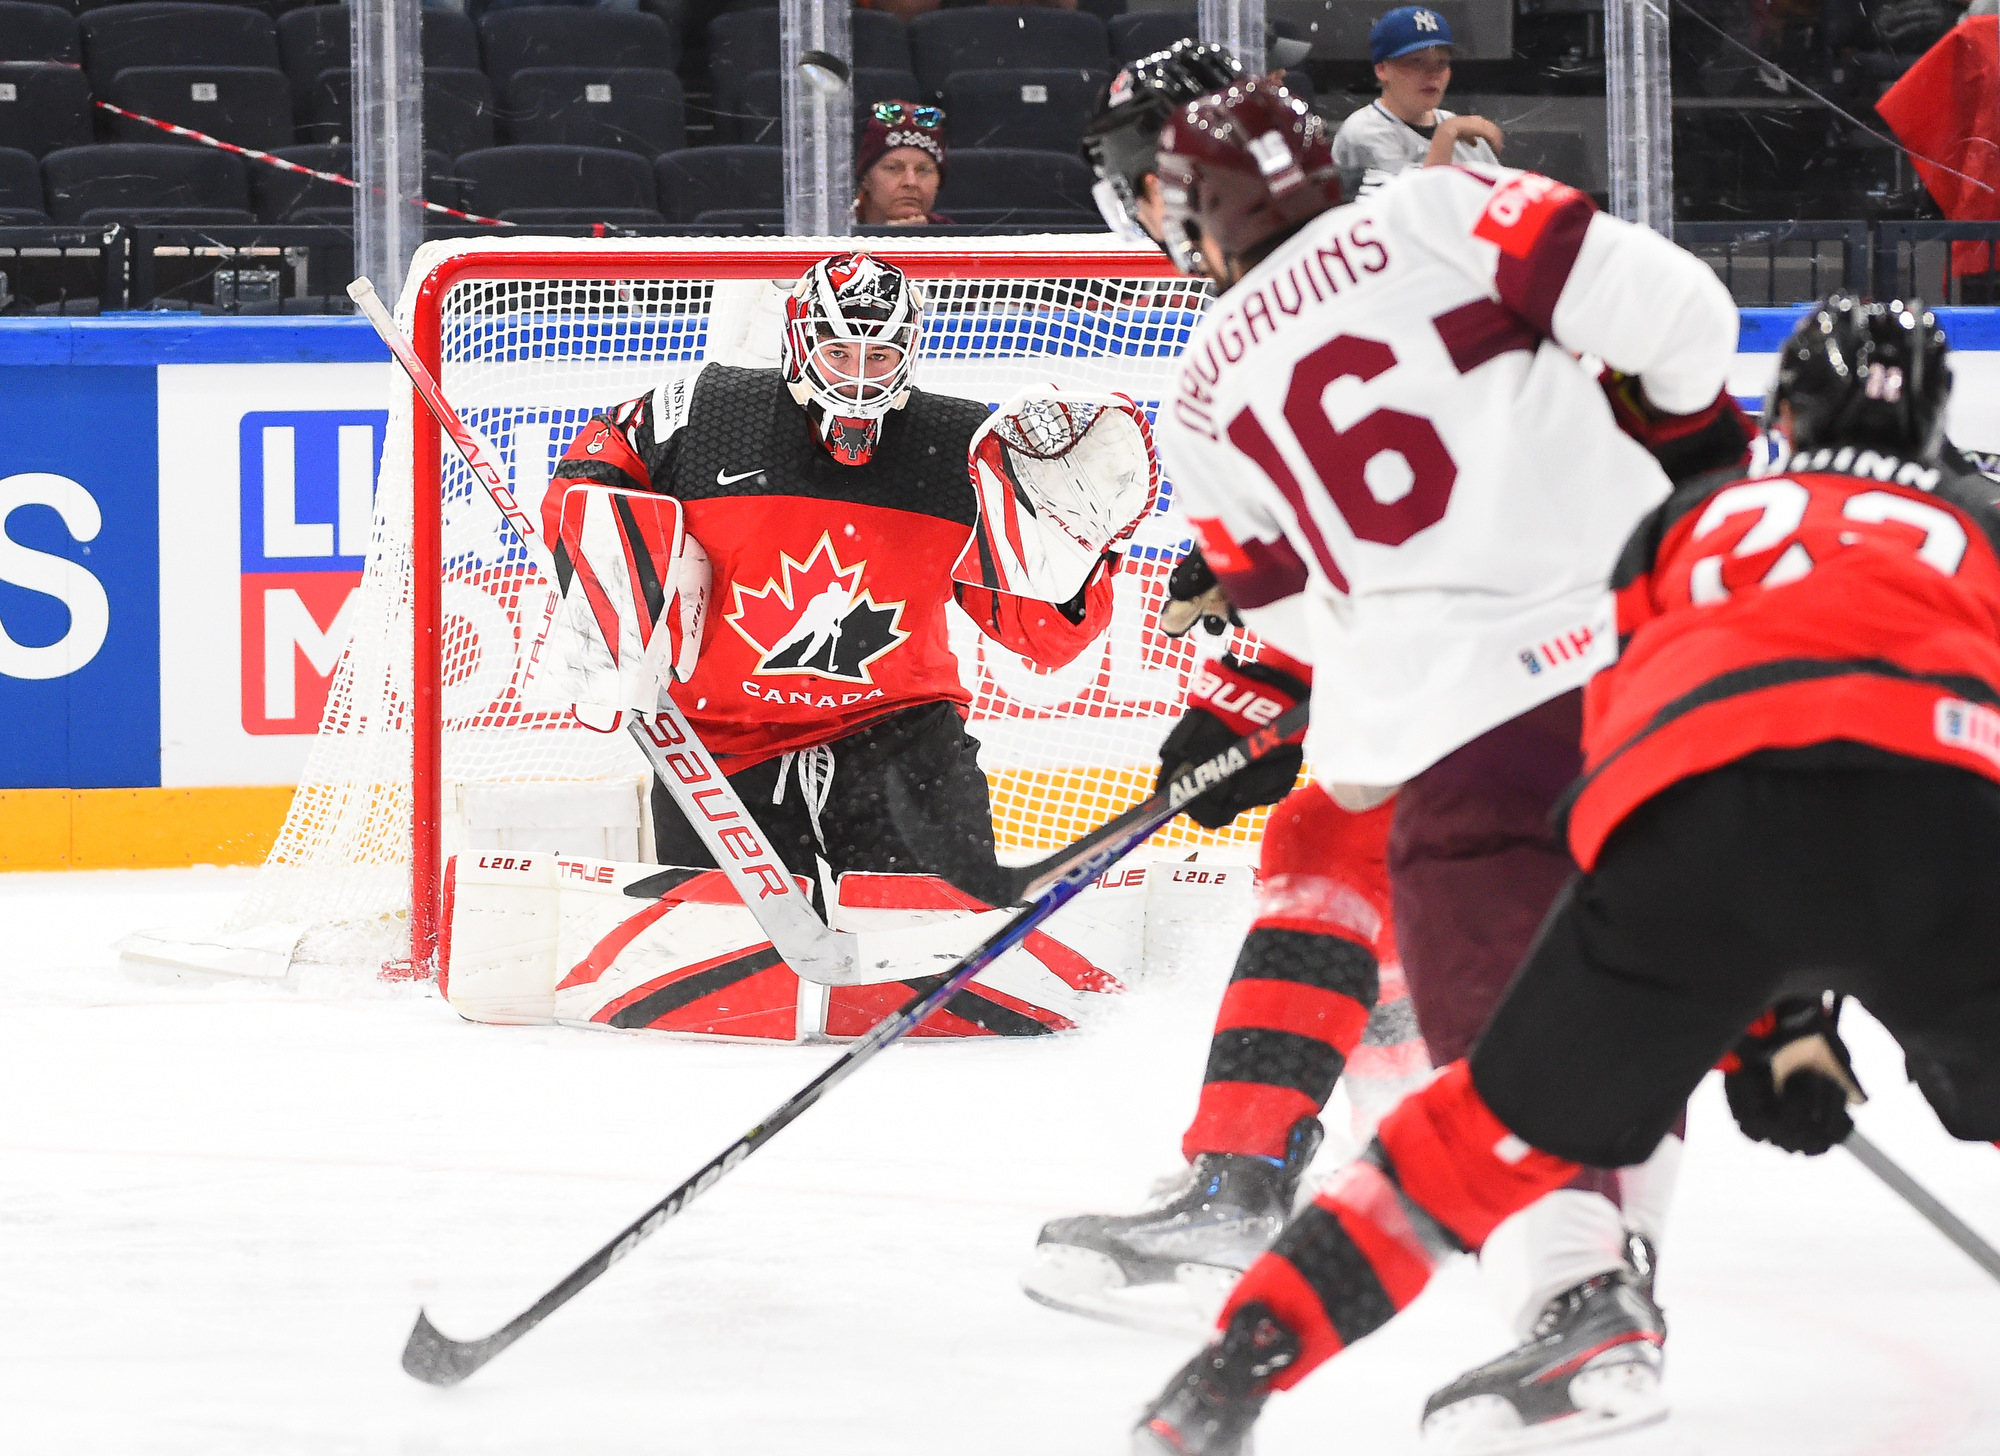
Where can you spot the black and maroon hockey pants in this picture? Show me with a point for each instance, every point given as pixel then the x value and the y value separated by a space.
pixel 1730 890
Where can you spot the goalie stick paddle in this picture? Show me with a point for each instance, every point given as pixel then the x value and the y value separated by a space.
pixel 1923 1201
pixel 760 878
pixel 437 1359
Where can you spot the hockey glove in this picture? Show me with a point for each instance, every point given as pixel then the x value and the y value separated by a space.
pixel 1790 1080
pixel 1194 595
pixel 1228 699
pixel 1711 438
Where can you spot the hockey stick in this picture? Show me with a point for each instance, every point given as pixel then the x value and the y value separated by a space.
pixel 670 746
pixel 440 1360
pixel 1921 1199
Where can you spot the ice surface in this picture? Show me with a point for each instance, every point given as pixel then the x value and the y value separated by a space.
pixel 221 1205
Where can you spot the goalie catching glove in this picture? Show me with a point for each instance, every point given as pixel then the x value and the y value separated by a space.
pixel 1790 1080
pixel 1228 699
pixel 1061 478
pixel 634 599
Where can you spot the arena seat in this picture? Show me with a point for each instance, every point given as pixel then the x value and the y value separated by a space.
pixel 142 182
pixel 281 196
pixel 458 110
pixel 744 42
pixel 247 105
pixel 38 32
pixel 175 34
pixel 639 111
pixel 1140 33
pixel 542 35
pixel 707 179
pixel 20 189
pixel 762 102
pixel 1004 38
pixel 986 178
pixel 545 179
pixel 1044 109
pixel 44 108
pixel 450 40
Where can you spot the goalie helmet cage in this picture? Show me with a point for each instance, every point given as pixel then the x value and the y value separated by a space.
pixel 424 724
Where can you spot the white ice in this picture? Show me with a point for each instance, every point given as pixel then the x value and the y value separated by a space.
pixel 221 1206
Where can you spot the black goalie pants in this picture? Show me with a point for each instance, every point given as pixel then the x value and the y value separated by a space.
pixel 1728 891
pixel 906 796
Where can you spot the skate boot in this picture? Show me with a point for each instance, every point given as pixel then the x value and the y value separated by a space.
pixel 1209 1407
pixel 1170 1267
pixel 1590 1366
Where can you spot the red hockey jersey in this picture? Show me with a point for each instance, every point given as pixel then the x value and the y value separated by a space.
pixel 831 581
pixel 1853 600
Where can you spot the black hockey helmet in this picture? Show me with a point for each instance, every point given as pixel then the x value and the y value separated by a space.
pixel 1869 374
pixel 1125 126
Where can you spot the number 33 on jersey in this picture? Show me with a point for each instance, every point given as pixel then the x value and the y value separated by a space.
pixel 1400 469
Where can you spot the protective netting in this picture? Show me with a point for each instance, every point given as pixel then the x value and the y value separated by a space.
pixel 527 359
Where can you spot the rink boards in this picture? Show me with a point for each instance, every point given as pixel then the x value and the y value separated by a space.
pixel 184 504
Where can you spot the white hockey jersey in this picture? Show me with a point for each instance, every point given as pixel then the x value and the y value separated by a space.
pixel 1400 469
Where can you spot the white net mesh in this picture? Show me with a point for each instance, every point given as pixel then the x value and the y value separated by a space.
pixel 527 359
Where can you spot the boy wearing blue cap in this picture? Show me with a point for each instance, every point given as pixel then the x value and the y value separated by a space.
pixel 1406 128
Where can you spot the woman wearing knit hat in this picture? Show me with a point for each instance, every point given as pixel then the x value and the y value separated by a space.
pixel 899 165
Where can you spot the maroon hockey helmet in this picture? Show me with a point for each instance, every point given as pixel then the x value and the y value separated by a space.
pixel 1242 166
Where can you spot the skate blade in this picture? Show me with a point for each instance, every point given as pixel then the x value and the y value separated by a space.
pixel 1087 1283
pixel 1612 1400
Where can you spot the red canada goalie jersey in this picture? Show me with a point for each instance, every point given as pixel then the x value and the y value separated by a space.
pixel 1849 606
pixel 831 581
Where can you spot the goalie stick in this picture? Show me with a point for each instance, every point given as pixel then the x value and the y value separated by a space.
pixel 438 1359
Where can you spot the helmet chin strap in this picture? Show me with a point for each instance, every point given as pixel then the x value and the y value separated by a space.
pixel 850 440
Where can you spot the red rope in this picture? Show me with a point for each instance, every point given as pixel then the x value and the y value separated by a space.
pixel 290 166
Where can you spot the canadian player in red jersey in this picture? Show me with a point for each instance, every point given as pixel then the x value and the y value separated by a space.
pixel 836 503
pixel 1792 790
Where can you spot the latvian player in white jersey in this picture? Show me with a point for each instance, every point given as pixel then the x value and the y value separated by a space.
pixel 1402 474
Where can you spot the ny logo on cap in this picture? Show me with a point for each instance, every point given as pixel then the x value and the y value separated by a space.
pixel 1424 20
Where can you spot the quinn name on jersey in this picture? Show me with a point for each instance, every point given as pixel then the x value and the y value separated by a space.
pixel 1401 470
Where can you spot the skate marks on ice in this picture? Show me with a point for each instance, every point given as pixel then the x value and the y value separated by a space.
pixel 216 1214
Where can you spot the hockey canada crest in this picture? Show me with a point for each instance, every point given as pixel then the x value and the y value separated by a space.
pixel 815 619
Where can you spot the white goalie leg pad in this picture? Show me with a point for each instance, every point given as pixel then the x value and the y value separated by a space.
pixel 1062 478
pixel 498 962
pixel 1050 978
pixel 633 605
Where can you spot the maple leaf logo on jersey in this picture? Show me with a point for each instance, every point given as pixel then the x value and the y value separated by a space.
pixel 813 620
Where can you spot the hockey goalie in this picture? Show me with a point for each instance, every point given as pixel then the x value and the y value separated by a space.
pixel 777 548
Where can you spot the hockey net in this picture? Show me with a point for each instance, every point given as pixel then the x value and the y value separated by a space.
pixel 424 730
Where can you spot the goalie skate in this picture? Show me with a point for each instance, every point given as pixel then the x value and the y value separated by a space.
pixel 1170 1267
pixel 1590 1367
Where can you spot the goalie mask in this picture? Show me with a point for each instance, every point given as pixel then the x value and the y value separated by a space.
pixel 851 328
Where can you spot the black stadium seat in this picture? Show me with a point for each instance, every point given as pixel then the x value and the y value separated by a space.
pixel 744 42
pixel 1144 31
pixel 1004 38
pixel 636 111
pixel 762 103
pixel 1044 109
pixel 242 104
pixel 704 179
pixel 175 34
pixel 542 35
pixel 287 196
pixel 138 182
pixel 310 41
pixel 44 108
pixel 558 184
pixel 458 110
pixel 986 178
pixel 20 189
pixel 449 40
pixel 38 32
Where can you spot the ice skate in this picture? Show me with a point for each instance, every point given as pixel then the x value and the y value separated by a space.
pixel 1591 1366
pixel 1208 1408
pixel 1169 1267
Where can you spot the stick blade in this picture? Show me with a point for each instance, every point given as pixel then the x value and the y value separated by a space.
pixel 437 1359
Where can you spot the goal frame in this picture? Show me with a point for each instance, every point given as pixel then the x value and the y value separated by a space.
pixel 684 261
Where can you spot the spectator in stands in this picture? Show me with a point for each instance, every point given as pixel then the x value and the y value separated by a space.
pixel 1406 128
pixel 899 165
